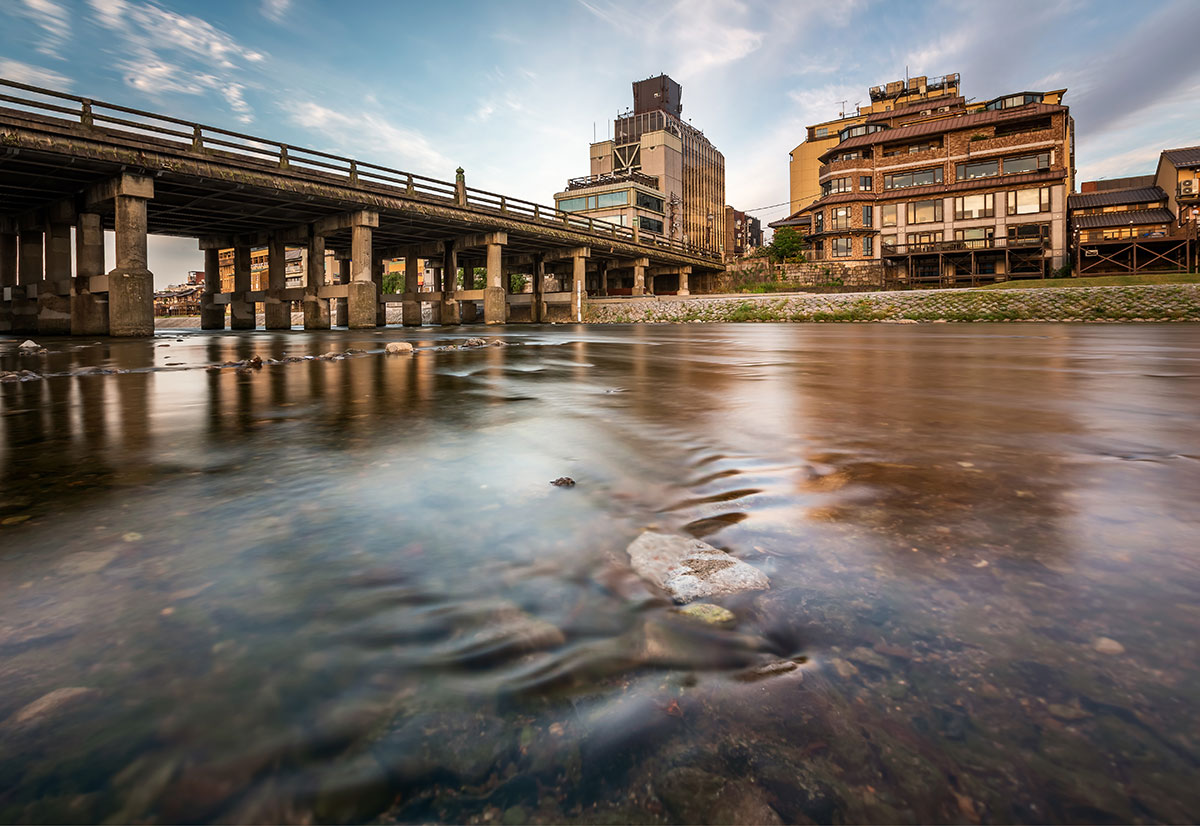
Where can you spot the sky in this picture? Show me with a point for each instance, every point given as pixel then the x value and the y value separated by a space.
pixel 515 91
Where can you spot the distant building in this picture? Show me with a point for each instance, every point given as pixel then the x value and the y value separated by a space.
pixel 930 189
pixel 672 179
pixel 1142 224
pixel 743 233
pixel 178 300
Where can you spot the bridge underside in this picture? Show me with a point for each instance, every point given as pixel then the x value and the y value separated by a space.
pixel 57 176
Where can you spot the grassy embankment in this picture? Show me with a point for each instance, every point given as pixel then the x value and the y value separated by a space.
pixel 1097 281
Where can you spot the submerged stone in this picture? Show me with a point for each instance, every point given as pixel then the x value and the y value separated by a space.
pixel 688 568
pixel 399 347
pixel 1106 645
pixel 708 613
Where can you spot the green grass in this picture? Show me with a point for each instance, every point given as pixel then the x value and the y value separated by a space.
pixel 1098 281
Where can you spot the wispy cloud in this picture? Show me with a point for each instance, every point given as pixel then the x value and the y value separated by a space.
pixel 275 9
pixel 54 21
pixel 371 137
pixel 33 75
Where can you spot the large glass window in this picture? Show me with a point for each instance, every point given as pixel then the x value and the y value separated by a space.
pixel 650 224
pixel 1029 201
pixel 839 218
pixel 887 215
pixel 649 202
pixel 924 212
pixel 974 206
pixel 975 238
pixel 868 215
pixel 1031 234
pixel 1026 163
pixel 978 169
pixel 1014 100
pixel 887 241
pixel 923 241
pixel 611 199
pixel 842 248
pixel 836 185
pixel 921 177
pixel 572 204
pixel 868 245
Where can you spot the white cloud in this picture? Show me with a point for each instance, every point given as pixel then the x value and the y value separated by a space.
pixel 55 22
pixel 33 75
pixel 371 137
pixel 275 9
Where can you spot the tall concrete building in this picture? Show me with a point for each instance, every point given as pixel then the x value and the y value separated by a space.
pixel 657 169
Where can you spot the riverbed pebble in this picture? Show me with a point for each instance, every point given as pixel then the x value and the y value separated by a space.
pixel 399 348
pixel 688 568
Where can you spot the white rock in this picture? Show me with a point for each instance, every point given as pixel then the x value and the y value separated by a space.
pixel 688 568
pixel 29 344
pixel 401 347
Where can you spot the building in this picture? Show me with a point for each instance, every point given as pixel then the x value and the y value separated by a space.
pixel 178 300
pixel 672 179
pixel 942 191
pixel 743 233
pixel 1142 224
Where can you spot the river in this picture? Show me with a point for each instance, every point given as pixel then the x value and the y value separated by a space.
pixel 343 589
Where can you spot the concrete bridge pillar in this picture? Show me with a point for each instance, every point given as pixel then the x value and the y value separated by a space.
pixel 89 310
pixel 467 312
pixel 341 307
pixel 639 279
pixel 131 284
pixel 410 310
pixel 54 293
pixel 578 289
pixel 361 297
pixel 495 300
pixel 316 309
pixel 8 277
pixel 29 277
pixel 377 279
pixel 684 272
pixel 277 312
pixel 212 314
pixel 537 305
pixel 241 311
pixel 449 312
pixel 602 266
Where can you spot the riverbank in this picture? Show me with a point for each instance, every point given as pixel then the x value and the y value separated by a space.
pixel 1156 302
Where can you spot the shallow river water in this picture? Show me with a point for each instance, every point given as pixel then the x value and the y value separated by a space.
pixel 344 590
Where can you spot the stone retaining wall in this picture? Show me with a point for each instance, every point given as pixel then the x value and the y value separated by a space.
pixel 831 276
pixel 1157 302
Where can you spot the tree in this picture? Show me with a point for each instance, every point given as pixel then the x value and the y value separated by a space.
pixel 393 282
pixel 787 245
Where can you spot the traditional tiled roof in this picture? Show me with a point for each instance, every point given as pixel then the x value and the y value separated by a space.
pixel 1137 218
pixel 1188 156
pixel 1116 197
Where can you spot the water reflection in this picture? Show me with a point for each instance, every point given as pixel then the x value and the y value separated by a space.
pixel 343 589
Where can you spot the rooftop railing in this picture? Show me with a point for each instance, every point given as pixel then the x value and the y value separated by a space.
pixel 964 245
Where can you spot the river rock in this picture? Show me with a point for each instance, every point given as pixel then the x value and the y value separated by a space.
pixel 1107 645
pixel 708 613
pixel 399 347
pixel 29 344
pixel 688 568
pixel 49 703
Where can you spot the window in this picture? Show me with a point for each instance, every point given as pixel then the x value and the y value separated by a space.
pixel 922 177
pixel 1012 101
pixel 853 155
pixel 839 218
pixel 1022 126
pixel 924 212
pixel 887 215
pixel 649 202
pixel 862 129
pixel 908 149
pixel 842 248
pixel 1028 234
pixel 864 183
pixel 868 245
pixel 1026 163
pixel 611 199
pixel 836 185
pixel 887 241
pixel 820 131
pixel 974 206
pixel 1029 201
pixel 572 204
pixel 818 222
pixel 868 215
pixel 978 169
pixel 923 241
pixel 976 238
pixel 651 224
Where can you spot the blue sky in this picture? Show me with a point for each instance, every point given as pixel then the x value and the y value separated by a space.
pixel 512 91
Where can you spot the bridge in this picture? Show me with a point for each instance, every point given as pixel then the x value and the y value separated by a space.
pixel 73 162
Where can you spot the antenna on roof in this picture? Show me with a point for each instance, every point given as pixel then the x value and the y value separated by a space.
pixel 842 113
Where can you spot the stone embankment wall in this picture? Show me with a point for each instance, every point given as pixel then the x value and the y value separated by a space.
pixel 1159 302
pixel 818 275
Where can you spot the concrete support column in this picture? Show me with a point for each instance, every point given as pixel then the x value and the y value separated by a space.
pixel 467 312
pixel 212 314
pixel 8 278
pixel 89 310
pixel 29 277
pixel 449 312
pixel 277 312
pixel 410 309
pixel 602 266
pixel 537 305
pixel 341 307
pixel 684 272
pixel 377 279
pixel 495 300
pixel 54 294
pixel 361 297
pixel 639 279
pixel 131 284
pixel 241 311
pixel 578 289
pixel 316 309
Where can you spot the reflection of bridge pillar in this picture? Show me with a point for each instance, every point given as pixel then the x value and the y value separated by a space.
pixel 361 296
pixel 54 294
pixel 578 274
pixel 89 310
pixel 241 311
pixel 495 302
pixel 316 309
pixel 29 276
pixel 212 314
pixel 449 276
pixel 341 308
pixel 8 276
pixel 277 312
pixel 131 284
pixel 410 309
